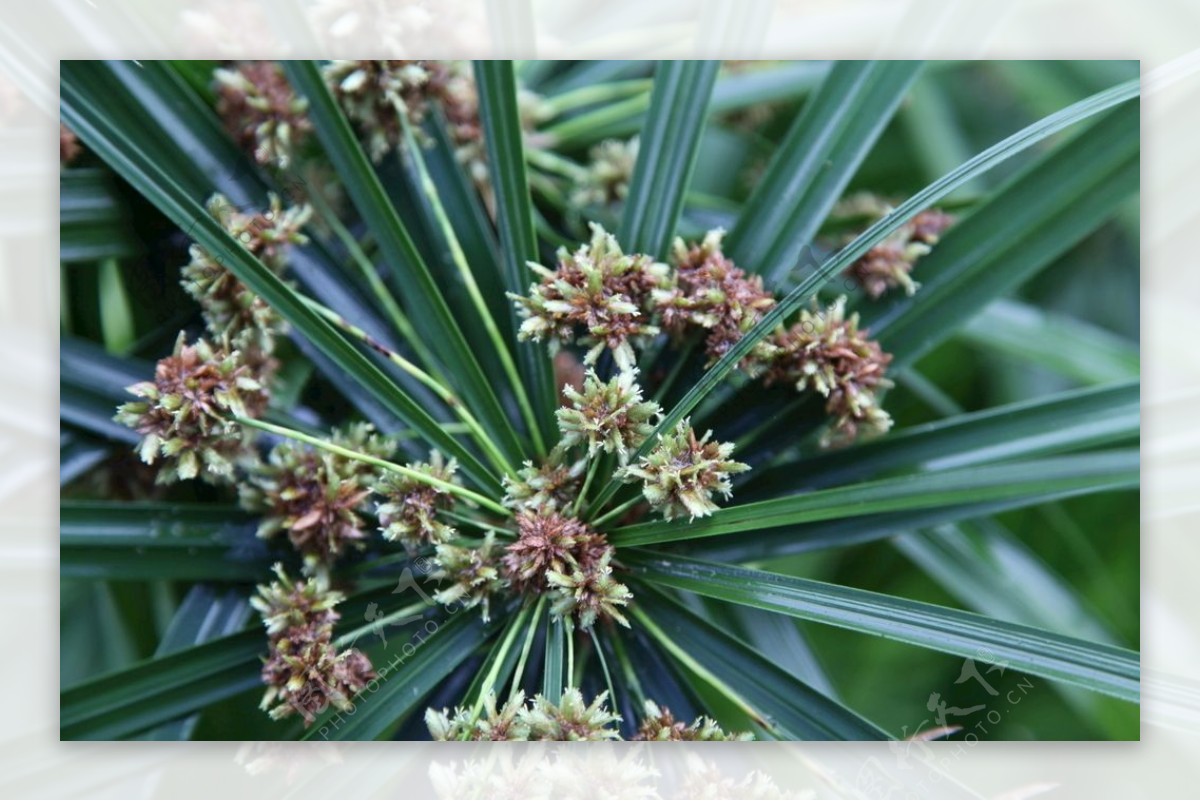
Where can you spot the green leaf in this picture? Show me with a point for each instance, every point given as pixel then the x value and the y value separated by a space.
pixel 204 614
pixel 667 152
pixel 161 689
pixel 850 531
pixel 92 221
pixel 77 454
pixel 979 164
pixel 1068 346
pixel 164 688
pixel 106 540
pixel 404 678
pixel 1066 422
pixel 1032 220
pixel 149 177
pixel 1094 666
pixel 816 160
pixel 426 305
pixel 502 133
pixel 554 665
pixel 784 706
pixel 1094 471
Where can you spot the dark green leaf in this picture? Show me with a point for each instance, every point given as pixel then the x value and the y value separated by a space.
pixel 502 134
pixel 666 155
pixel 1093 471
pixel 785 706
pixel 816 160
pixel 1094 666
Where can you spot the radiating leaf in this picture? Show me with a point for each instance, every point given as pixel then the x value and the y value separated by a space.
pixel 666 155
pixel 784 706
pixel 816 160
pixel 1093 471
pixel 1094 666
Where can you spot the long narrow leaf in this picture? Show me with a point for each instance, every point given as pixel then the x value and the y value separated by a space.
pixel 977 165
pixel 1067 422
pixel 1035 218
pixel 1094 666
pixel 1097 471
pixel 786 707
pixel 150 178
pixel 666 155
pixel 816 160
pixel 427 307
pixel 502 133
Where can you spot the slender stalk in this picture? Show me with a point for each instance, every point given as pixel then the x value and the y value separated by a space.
pixel 631 678
pixel 552 162
pixel 694 665
pixel 416 475
pixel 443 392
pixel 398 318
pixel 529 637
pixel 471 521
pixel 594 94
pixel 468 278
pixel 569 130
pixel 489 682
pixel 587 482
pixel 612 694
pixel 617 511
pixel 569 631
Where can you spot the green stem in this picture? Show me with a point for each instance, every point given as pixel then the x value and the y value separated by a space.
pixel 569 632
pixel 616 511
pixel 631 678
pixel 612 694
pixel 554 163
pixel 694 665
pixel 525 650
pixel 439 389
pixel 416 475
pixel 398 318
pixel 591 95
pixel 471 521
pixel 587 483
pixel 468 278
pixel 489 682
pixel 567 131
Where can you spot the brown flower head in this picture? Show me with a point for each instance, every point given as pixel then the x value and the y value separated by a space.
pixel 551 486
pixel 681 473
pixel 184 414
pixel 473 573
pixel 491 724
pixel 660 725
pixel 317 497
pixel 566 558
pixel 409 511
pixel 711 293
pixel 230 309
pixel 303 672
pixel 597 293
pixel 826 352
pixel 890 263
pixel 261 111
pixel 607 416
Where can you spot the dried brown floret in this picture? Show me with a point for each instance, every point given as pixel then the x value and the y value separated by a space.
pixel 184 416
pixel 68 145
pixel 826 352
pixel 660 725
pixel 597 293
pixel 261 111
pixel 316 497
pixel 711 293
